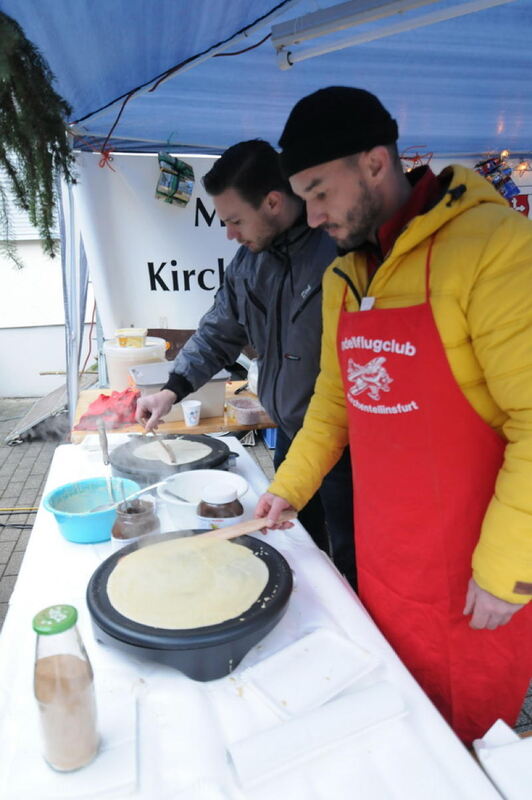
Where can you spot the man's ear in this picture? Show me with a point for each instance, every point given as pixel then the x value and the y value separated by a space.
pixel 273 201
pixel 376 163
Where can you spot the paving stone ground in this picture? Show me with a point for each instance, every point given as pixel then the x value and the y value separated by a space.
pixel 23 471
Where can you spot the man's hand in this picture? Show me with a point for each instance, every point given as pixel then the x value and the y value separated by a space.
pixel 152 407
pixel 270 505
pixel 488 611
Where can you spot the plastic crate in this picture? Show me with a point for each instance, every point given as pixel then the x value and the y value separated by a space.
pixel 269 436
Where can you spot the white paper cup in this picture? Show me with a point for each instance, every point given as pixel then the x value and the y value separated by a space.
pixel 191 412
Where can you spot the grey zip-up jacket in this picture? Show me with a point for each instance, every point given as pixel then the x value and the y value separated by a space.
pixel 271 300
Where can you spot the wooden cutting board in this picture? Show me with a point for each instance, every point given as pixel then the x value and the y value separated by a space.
pixel 208 425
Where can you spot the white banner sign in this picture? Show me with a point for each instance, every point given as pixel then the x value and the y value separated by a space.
pixel 152 264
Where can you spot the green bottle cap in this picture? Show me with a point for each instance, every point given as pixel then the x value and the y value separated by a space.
pixel 55 619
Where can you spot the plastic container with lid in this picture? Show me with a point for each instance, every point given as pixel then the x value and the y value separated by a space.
pixel 219 506
pixel 245 410
pixel 120 359
pixel 150 378
pixel 64 690
pixel 131 337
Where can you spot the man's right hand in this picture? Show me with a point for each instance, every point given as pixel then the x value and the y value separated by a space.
pixel 270 506
pixel 152 407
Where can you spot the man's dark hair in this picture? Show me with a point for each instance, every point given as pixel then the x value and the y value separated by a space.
pixel 253 168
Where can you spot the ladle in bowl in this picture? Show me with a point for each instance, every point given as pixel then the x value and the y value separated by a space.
pixel 125 500
pixel 104 447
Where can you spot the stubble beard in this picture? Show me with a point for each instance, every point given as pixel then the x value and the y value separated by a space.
pixel 264 239
pixel 361 221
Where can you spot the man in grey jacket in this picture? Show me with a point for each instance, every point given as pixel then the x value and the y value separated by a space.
pixel 271 299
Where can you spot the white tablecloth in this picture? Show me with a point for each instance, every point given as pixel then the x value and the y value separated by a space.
pixel 321 708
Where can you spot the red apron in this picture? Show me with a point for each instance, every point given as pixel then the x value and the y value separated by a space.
pixel 424 470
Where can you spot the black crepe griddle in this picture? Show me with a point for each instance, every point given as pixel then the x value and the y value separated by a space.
pixel 203 654
pixel 126 464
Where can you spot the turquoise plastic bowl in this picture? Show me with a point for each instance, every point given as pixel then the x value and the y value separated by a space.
pixel 71 505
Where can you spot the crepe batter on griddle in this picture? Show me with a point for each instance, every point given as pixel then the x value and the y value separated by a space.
pixel 184 451
pixel 186 583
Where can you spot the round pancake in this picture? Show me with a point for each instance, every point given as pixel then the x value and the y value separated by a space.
pixel 183 450
pixel 186 583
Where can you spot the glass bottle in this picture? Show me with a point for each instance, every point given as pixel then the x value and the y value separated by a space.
pixel 64 690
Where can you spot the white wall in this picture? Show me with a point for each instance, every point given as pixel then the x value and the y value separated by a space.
pixel 32 337
pixel 33 295
pixel 27 352
pixel 24 353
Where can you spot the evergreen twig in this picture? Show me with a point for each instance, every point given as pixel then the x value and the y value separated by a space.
pixel 34 145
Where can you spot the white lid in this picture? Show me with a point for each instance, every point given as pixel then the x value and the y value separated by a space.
pixel 157 372
pixel 131 332
pixel 111 345
pixel 218 493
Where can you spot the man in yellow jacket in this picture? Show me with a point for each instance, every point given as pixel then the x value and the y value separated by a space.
pixel 426 370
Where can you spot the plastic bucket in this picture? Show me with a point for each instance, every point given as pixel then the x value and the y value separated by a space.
pixel 72 504
pixel 120 359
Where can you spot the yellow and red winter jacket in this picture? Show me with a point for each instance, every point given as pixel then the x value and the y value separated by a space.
pixel 481 296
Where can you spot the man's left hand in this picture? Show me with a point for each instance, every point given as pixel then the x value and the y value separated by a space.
pixel 487 610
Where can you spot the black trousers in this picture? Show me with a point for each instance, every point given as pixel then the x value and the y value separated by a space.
pixel 328 516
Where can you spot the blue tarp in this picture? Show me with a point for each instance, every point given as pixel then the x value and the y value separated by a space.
pixel 460 87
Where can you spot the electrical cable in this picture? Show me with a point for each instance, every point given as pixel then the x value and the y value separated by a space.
pixel 90 340
pixel 19 510
pixel 22 526
pixel 245 50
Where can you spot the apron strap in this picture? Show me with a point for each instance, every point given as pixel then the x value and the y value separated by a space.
pixel 428 260
pixel 427 268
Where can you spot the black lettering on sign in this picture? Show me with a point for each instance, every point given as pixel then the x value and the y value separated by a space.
pixel 221 270
pixel 184 280
pixel 187 273
pixel 155 278
pixel 201 280
pixel 208 218
pixel 175 276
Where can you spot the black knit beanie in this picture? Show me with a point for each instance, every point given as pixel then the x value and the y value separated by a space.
pixel 333 123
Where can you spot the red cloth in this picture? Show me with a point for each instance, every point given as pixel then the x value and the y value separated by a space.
pixel 115 409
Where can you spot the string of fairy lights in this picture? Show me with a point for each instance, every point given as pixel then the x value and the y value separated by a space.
pixel 414 157
pixel 522 166
pixel 498 168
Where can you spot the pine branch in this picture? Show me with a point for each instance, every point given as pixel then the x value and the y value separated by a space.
pixel 7 246
pixel 34 146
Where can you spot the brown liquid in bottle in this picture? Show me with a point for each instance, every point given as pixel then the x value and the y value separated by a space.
pixel 65 694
